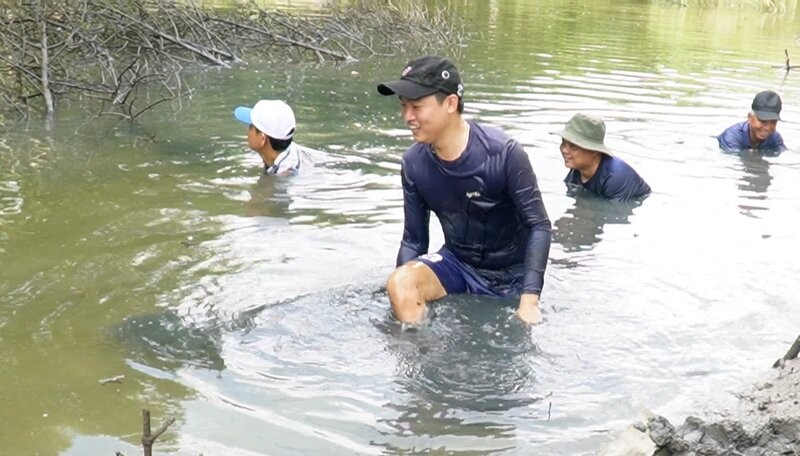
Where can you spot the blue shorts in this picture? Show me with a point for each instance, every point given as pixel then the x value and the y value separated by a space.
pixel 458 277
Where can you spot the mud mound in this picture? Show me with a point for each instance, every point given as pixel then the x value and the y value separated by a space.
pixel 767 423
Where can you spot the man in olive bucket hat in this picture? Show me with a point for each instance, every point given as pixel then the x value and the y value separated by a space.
pixel 758 131
pixel 593 166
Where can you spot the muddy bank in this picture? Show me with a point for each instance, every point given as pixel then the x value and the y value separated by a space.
pixel 767 422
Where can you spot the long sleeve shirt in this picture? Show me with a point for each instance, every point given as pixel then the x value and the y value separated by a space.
pixel 488 202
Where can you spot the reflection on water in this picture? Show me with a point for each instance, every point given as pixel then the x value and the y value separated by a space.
pixel 755 180
pixel 297 378
pixel 268 197
pixel 10 201
pixel 10 204
pixel 581 226
pixel 166 341
pixel 253 308
pixel 340 189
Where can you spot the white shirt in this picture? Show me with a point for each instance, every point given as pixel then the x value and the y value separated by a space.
pixel 291 161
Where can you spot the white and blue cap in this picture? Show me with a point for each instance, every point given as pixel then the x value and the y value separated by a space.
pixel 274 118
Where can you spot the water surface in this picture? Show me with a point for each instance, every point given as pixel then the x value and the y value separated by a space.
pixel 253 309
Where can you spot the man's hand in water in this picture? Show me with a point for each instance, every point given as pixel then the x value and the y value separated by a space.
pixel 528 310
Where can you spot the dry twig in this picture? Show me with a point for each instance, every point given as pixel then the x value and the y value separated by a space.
pixel 148 438
pixel 120 52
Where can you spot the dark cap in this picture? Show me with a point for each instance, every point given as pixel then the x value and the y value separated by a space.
pixel 767 105
pixel 425 76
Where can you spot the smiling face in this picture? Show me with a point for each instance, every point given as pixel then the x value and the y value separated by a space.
pixel 760 129
pixel 578 158
pixel 427 117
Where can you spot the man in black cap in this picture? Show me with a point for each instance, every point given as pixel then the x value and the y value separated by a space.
pixel 480 184
pixel 758 131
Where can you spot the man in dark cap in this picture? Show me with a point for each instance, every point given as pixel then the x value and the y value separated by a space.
pixel 758 131
pixel 480 184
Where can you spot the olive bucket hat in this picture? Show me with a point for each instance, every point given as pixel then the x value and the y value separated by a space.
pixel 587 132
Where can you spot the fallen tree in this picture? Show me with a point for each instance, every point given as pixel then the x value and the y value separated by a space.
pixel 129 55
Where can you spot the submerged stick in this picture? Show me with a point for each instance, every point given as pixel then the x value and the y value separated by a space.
pixel 786 65
pixel 794 350
pixel 48 96
pixel 114 379
pixel 147 438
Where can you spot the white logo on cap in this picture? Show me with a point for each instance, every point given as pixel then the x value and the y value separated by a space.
pixel 406 70
pixel 446 74
pixel 460 90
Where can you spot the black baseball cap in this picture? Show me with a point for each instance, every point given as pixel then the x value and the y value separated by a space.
pixel 767 105
pixel 425 76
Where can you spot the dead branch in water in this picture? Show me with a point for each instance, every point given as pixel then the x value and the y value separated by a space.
pixel 148 438
pixel 130 54
pixel 792 353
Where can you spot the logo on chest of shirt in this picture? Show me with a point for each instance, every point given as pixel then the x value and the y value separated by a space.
pixel 473 189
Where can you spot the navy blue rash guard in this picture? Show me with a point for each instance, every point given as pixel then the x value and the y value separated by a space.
pixel 613 180
pixel 737 138
pixel 488 203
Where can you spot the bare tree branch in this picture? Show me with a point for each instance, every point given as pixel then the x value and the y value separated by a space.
pixel 118 52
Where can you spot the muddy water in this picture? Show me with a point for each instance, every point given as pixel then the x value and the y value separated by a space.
pixel 252 308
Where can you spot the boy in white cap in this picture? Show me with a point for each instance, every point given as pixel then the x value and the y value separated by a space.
pixel 270 133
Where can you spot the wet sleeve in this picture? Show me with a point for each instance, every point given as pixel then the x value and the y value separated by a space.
pixel 524 192
pixel 778 145
pixel 731 139
pixel 625 185
pixel 417 220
